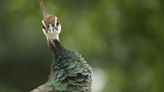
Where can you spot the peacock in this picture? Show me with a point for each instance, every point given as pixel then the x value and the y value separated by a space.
pixel 69 70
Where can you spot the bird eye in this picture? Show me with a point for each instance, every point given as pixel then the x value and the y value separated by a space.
pixel 57 24
pixel 43 27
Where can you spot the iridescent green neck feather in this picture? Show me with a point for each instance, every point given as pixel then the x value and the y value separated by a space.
pixel 69 71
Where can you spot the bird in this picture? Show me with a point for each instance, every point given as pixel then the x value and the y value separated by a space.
pixel 69 71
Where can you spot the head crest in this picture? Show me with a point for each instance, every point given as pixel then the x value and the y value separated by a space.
pixel 43 9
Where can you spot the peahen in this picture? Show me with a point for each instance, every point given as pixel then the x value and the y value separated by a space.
pixel 69 71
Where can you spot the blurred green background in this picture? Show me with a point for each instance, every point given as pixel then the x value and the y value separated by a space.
pixel 123 38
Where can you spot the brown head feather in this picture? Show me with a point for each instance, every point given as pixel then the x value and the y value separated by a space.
pixel 48 18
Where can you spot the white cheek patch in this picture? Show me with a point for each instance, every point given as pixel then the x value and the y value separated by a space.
pixel 59 28
pixel 44 31
pixel 43 23
pixel 55 21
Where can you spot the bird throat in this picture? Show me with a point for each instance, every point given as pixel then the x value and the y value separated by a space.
pixel 56 47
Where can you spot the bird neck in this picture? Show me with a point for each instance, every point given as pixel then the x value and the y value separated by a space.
pixel 57 51
pixel 56 47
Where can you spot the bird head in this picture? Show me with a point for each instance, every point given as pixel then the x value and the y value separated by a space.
pixel 50 24
pixel 51 27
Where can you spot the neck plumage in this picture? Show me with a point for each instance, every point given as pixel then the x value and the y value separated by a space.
pixel 56 47
pixel 57 51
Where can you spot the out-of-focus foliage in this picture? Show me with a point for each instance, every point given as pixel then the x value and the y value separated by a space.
pixel 123 37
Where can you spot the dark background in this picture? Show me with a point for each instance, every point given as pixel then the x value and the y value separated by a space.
pixel 124 38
